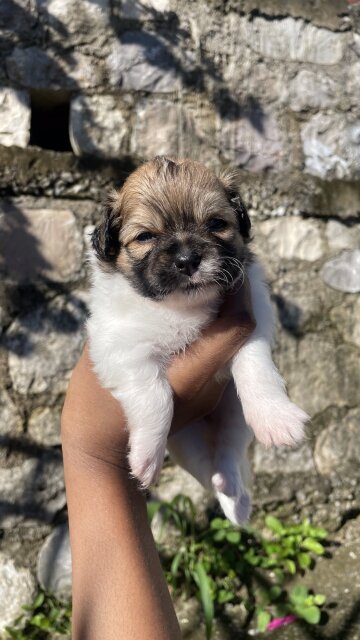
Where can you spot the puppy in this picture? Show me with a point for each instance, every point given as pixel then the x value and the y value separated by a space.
pixel 171 243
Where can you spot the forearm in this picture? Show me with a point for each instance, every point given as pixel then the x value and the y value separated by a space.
pixel 119 591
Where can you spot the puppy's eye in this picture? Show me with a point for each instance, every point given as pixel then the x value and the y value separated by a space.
pixel 216 224
pixel 145 236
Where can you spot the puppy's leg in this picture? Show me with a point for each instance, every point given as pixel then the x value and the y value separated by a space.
pixel 214 451
pixel 266 406
pixel 148 405
pixel 231 471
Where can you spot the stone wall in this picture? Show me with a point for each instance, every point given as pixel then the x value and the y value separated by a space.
pixel 271 87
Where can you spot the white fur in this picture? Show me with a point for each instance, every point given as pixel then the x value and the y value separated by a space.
pixel 131 341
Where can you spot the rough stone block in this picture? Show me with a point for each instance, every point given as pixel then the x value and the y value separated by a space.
pixel 10 420
pixel 331 145
pixel 40 243
pixel 343 272
pixel 252 141
pixel 294 40
pixel 17 587
pixel 36 68
pixel 44 346
pixel 156 129
pixel 14 117
pixel 346 318
pixel 54 563
pixel 98 126
pixel 338 446
pixel 78 22
pixel 44 426
pixel 141 61
pixel 145 9
pixel 293 238
pixel 309 90
pixel 279 460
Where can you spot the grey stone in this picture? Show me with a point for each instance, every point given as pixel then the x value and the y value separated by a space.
pixel 292 237
pixel 54 563
pixel 10 420
pixel 44 426
pixel 17 587
pixel 309 90
pixel 331 146
pixel 44 346
pixel 32 491
pixel 337 447
pixel 253 141
pixel 140 61
pixel 346 317
pixel 145 9
pixel 40 243
pixel 340 236
pixel 14 117
pixel 353 83
pixel 35 68
pixel 318 373
pixel 294 40
pixel 81 21
pixel 283 459
pixel 156 129
pixel 343 272
pixel 98 126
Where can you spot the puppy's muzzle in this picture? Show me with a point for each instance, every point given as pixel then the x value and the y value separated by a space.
pixel 187 261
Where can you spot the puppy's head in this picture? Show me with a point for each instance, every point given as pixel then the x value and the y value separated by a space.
pixel 174 227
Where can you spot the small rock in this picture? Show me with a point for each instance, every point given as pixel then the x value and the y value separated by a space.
pixel 343 272
pixel 291 237
pixel 17 587
pixel 346 317
pixel 331 146
pixel 175 480
pixel 14 117
pixel 311 90
pixel 337 447
pixel 54 563
pixel 145 10
pixel 339 236
pixel 98 126
pixel 283 459
pixel 44 426
pixel 40 243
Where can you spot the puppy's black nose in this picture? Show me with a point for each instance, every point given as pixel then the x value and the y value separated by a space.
pixel 187 262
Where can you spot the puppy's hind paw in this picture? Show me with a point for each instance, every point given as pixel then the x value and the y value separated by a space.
pixel 237 509
pixel 278 421
pixel 145 468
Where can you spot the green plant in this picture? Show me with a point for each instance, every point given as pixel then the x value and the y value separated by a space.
pixel 44 617
pixel 222 564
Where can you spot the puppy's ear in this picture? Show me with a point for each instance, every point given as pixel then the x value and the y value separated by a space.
pixel 105 237
pixel 230 182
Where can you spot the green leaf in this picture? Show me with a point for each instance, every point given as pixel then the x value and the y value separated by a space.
pixel 219 535
pixel 313 545
pixel 275 592
pixel 319 599
pixel 203 583
pixel 274 524
pixel 298 594
pixel 263 619
pixel 290 566
pixel 309 614
pixel 175 564
pixel 225 596
pixel 304 560
pixel 233 537
pixel 39 600
pixel 153 507
pixel 219 523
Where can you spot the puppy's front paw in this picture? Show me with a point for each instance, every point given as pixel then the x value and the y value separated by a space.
pixel 146 468
pixel 277 421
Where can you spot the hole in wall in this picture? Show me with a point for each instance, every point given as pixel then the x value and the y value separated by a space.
pixel 50 112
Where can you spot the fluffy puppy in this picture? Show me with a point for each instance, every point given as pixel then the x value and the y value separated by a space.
pixel 171 242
